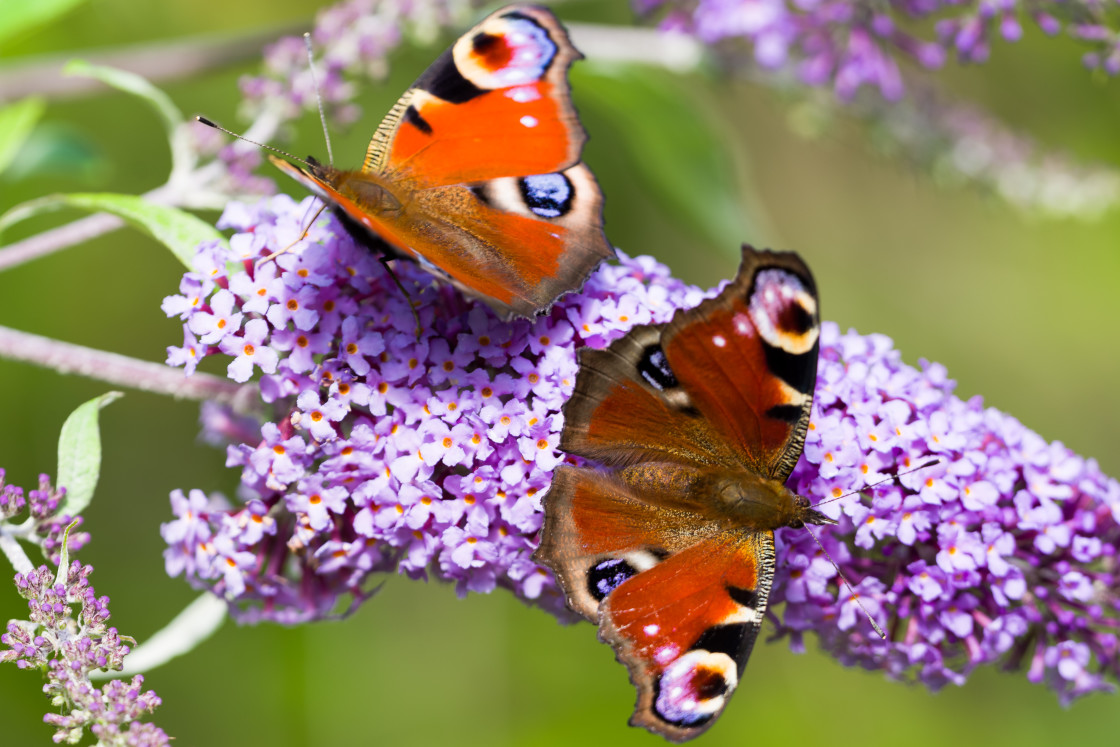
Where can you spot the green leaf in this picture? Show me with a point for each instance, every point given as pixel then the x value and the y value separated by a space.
pixel 79 454
pixel 63 573
pixel 18 16
pixel 677 149
pixel 131 83
pixel 16 123
pixel 178 230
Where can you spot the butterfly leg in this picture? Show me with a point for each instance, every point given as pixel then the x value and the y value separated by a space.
pixel 385 259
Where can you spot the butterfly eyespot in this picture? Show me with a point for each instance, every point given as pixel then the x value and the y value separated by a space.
pixel 694 688
pixel 654 368
pixel 607 576
pixel 511 50
pixel 547 195
pixel 784 311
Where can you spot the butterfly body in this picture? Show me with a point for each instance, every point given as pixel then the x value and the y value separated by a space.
pixel 476 172
pixel 668 543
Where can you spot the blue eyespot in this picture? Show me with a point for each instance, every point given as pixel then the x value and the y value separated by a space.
pixel 547 195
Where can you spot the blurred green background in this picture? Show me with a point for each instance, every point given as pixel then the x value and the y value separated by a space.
pixel 1020 310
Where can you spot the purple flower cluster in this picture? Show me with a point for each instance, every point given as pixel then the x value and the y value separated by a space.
pixel 67 648
pixel 386 450
pixel 1004 550
pixel 429 456
pixel 43 503
pixel 846 44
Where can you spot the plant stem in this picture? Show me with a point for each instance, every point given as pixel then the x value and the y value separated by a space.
pixel 54 239
pixel 118 370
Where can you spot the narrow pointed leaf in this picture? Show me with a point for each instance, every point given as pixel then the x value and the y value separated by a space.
pixel 79 454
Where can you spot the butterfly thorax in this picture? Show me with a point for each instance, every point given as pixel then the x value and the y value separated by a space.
pixel 367 190
pixel 747 500
pixel 736 498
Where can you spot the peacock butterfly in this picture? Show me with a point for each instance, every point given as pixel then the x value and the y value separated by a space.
pixel 475 172
pixel 668 544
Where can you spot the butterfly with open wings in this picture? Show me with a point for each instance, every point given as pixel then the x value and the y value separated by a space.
pixel 475 172
pixel 668 544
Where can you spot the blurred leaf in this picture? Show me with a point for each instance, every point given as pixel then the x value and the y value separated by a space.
pixel 79 454
pixel 677 149
pixel 17 16
pixel 60 150
pixel 134 84
pixel 16 123
pixel 178 230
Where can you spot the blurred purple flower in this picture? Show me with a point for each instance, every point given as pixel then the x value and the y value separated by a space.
pixel 429 456
pixel 848 44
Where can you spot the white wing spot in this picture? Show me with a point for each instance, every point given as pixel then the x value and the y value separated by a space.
pixel 719 341
pixel 666 654
pixel 523 94
pixel 651 629
pixel 529 121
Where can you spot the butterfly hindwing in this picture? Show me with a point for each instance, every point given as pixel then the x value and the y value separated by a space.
pixel 627 407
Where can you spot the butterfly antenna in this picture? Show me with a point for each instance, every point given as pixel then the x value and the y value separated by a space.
pixel 286 154
pixel 892 478
pixel 318 95
pixel 855 594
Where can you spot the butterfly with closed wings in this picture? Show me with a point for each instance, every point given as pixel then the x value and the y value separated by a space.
pixel 475 173
pixel 668 544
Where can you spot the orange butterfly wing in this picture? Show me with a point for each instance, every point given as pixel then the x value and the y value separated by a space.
pixel 669 546
pixel 496 104
pixel 679 598
pixel 748 359
pixel 475 172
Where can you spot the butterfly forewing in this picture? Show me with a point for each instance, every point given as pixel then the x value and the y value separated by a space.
pixel 628 408
pixel 497 104
pixel 748 359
